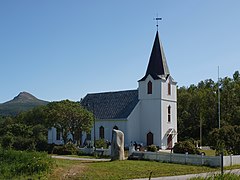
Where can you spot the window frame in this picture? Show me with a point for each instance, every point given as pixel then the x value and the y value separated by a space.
pixel 169 114
pixel 101 132
pixel 169 89
pixel 149 87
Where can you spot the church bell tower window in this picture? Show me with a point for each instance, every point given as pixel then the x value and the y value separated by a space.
pixel 169 113
pixel 169 89
pixel 149 87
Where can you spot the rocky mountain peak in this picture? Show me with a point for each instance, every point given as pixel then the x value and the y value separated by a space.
pixel 24 96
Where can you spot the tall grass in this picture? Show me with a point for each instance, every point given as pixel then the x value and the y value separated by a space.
pixel 21 163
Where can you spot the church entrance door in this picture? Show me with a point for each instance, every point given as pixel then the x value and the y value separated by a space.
pixel 169 141
pixel 149 138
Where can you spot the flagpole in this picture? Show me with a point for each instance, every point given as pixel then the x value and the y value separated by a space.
pixel 219 120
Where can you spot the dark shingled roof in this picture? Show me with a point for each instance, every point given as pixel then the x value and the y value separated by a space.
pixel 111 105
pixel 157 66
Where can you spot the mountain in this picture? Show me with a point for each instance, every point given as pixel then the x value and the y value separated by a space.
pixel 22 102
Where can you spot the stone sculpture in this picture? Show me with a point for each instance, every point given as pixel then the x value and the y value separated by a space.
pixel 117 145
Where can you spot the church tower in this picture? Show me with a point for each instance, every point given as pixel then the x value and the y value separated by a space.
pixel 157 95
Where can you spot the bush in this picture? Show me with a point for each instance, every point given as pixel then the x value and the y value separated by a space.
pixel 7 141
pixel 101 143
pixel 152 148
pixel 67 149
pixel 21 163
pixel 185 146
pixel 21 143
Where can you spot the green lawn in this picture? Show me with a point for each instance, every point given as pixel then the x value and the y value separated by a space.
pixel 209 152
pixel 127 169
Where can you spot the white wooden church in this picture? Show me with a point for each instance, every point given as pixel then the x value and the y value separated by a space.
pixel 146 115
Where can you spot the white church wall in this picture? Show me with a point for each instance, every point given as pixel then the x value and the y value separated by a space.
pixel 168 100
pixel 156 89
pixel 154 110
pixel 133 126
pixel 108 126
pixel 52 136
pixel 150 120
pixel 173 95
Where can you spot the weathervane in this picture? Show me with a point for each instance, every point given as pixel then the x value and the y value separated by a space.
pixel 157 19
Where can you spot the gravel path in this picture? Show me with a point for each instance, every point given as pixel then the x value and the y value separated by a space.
pixel 79 159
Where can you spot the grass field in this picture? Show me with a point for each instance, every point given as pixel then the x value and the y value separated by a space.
pixel 128 169
pixel 209 152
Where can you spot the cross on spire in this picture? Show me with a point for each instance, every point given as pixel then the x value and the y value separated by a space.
pixel 157 19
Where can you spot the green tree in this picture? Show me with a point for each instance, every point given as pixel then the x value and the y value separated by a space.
pixel 70 117
pixel 227 137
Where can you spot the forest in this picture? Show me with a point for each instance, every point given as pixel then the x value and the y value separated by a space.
pixel 198 112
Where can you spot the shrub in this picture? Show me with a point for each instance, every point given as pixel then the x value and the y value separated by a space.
pixel 21 143
pixel 7 141
pixel 152 148
pixel 21 163
pixel 185 146
pixel 67 149
pixel 101 143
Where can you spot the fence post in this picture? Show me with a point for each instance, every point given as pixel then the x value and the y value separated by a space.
pixel 221 160
pixel 186 153
pixel 231 160
pixel 202 158
pixel 171 157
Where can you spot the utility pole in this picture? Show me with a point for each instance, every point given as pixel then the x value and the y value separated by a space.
pixel 219 124
pixel 219 111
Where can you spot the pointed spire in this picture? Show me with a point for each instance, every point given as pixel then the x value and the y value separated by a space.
pixel 157 66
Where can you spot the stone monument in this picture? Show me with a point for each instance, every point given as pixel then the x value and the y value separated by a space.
pixel 117 145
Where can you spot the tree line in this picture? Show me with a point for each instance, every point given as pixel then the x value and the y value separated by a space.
pixel 198 112
pixel 28 130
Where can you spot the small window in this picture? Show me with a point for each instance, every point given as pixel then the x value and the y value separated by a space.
pixel 101 132
pixel 149 87
pixel 169 89
pixel 169 113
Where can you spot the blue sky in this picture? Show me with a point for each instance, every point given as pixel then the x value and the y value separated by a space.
pixel 59 49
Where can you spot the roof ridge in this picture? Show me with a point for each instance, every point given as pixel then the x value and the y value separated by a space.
pixel 106 92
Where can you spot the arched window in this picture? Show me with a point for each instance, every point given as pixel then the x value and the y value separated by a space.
pixel 115 127
pixel 101 132
pixel 169 89
pixel 169 113
pixel 149 87
pixel 149 138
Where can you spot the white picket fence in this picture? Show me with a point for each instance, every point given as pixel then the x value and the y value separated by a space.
pixel 100 151
pixel 214 161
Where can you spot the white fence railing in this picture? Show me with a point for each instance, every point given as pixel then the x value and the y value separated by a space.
pixel 100 151
pixel 190 159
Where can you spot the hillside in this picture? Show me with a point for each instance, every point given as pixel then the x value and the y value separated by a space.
pixel 22 102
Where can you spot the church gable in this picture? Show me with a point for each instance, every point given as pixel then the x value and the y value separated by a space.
pixel 111 105
pixel 149 88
